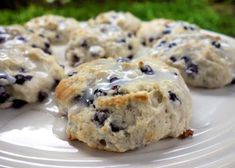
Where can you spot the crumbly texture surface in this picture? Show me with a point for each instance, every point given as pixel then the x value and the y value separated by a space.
pixel 56 28
pixel 120 106
pixel 150 32
pixel 203 60
pixel 27 75
pixel 18 35
pixel 100 41
pixel 125 20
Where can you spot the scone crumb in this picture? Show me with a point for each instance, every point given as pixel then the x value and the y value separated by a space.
pixel 186 134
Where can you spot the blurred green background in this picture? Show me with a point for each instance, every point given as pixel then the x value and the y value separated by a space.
pixel 215 15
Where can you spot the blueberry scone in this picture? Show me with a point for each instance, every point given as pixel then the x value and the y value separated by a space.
pixel 26 75
pixel 100 41
pixel 124 20
pixel 152 31
pixel 18 35
pixel 120 106
pixel 56 28
pixel 203 60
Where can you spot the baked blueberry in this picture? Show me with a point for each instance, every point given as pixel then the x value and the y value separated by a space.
pixel 101 116
pixel 17 103
pixel 21 79
pixel 147 70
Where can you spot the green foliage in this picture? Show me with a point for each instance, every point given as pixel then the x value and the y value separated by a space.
pixel 200 12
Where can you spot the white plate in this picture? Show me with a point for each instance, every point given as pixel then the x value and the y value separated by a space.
pixel 31 137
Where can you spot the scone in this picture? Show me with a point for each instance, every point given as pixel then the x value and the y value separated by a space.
pixel 120 106
pixel 203 60
pixel 26 75
pixel 150 32
pixel 100 41
pixel 56 28
pixel 124 20
pixel 18 35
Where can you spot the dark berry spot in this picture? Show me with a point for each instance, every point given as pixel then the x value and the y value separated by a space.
pixel 143 43
pixel 112 79
pixel 151 39
pixel 121 40
pixel 56 82
pixel 3 95
pixel 34 46
pixel 216 44
pixel 72 73
pixel 185 27
pixel 47 45
pixel 85 100
pixel 130 47
pixel 75 59
pixel 84 44
pixel 57 36
pixel 186 59
pixel 42 96
pixel 20 79
pixel 233 81
pixel 129 35
pixel 173 59
pixel 2 39
pixel 47 51
pixel 99 92
pixel 116 89
pixel 22 70
pixel 192 69
pixel 114 127
pixel 192 28
pixel 103 142
pixel 22 39
pixel 100 116
pixel 130 57
pixel 17 103
pixel 172 96
pixel 166 32
pixel 41 35
pixel 147 70
pixel 172 45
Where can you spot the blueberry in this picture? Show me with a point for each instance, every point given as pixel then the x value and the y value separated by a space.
pixel 102 142
pixel 172 96
pixel 57 36
pixel 143 43
pixel 72 73
pixel 100 116
pixel 34 46
pixel 42 96
pixel 99 92
pixel 185 27
pixel 41 35
pixel 20 79
pixel 173 59
pixel 129 35
pixel 121 40
pixel 84 44
pixel 216 44
pixel 3 95
pixel 147 70
pixel 17 103
pixel 166 32
pixel 186 59
pixel 130 57
pixel 21 39
pixel 130 47
pixel 47 45
pixel 191 28
pixel 75 59
pixel 192 69
pixel 114 127
pixel 116 89
pixel 2 39
pixel 233 81
pixel 56 82
pixel 151 39
pixel 47 51
pixel 172 45
pixel 112 79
